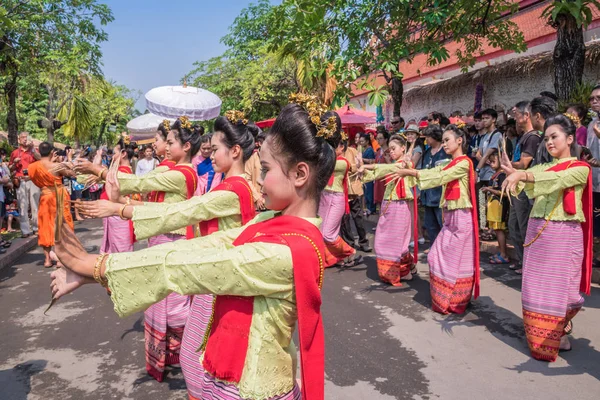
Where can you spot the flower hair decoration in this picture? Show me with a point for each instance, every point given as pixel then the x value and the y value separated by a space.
pixel 460 124
pixel 344 135
pixel 126 138
pixel 234 116
pixel 315 110
pixel 574 118
pixel 166 124
pixel 185 122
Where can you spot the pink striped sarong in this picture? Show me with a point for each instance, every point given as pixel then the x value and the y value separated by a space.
pixel 551 281
pixel 451 263
pixel 213 389
pixel 117 236
pixel 193 336
pixel 332 207
pixel 164 323
pixel 394 261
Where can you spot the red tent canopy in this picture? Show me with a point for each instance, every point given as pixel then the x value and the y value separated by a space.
pixel 267 123
pixel 354 116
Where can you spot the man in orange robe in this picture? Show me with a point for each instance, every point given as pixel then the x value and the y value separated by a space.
pixel 54 197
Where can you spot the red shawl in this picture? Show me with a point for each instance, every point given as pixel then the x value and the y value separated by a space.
pixel 569 205
pixel 228 341
pixel 241 188
pixel 191 183
pixel 344 183
pixel 153 197
pixel 453 193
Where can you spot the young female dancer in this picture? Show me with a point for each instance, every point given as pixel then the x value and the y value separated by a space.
pixel 164 321
pixel 268 280
pixel 229 205
pixel 557 262
pixel 454 256
pixel 334 201
pixel 394 261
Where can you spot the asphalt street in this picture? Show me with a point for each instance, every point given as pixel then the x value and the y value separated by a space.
pixel 381 342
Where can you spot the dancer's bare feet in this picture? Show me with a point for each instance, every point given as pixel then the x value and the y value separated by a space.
pixel 565 344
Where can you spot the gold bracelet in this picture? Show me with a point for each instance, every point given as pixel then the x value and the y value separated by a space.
pixel 121 210
pixel 97 277
pixel 101 172
pixel 128 201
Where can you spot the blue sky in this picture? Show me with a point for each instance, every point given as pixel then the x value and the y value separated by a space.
pixel 155 42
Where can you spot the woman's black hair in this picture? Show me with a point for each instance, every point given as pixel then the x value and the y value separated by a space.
pixel 205 138
pixel 459 133
pixel 367 138
pixel 435 132
pixel 294 138
pixel 129 149
pixel 336 137
pixel 385 134
pixel 237 133
pixel 399 138
pixel 163 130
pixel 579 109
pixel 186 135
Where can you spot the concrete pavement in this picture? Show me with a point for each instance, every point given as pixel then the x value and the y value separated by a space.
pixel 382 342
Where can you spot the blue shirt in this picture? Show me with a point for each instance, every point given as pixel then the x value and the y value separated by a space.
pixel 432 197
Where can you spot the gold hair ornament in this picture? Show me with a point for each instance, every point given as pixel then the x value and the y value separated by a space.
pixel 315 110
pixel 344 135
pixel 574 118
pixel 460 124
pixel 166 124
pixel 235 116
pixel 185 122
pixel 126 138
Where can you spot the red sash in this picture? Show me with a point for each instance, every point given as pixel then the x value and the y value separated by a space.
pixel 103 196
pixel 191 183
pixel 453 193
pixel 153 197
pixel 344 183
pixel 241 188
pixel 228 341
pixel 569 206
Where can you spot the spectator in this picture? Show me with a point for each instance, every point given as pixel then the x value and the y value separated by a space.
pixel 430 198
pixel 28 195
pixel 382 156
pixel 4 183
pixel 540 109
pixel 207 178
pixel 527 145
pixel 593 144
pixel 577 114
pixel 435 118
pixel 146 164
pixel 397 124
pixel 368 157
pixel 355 200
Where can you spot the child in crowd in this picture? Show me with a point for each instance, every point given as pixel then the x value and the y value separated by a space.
pixel 12 212
pixel 497 208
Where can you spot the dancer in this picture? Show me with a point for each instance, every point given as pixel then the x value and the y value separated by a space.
pixel 453 262
pixel 269 273
pixel 334 202
pixel 54 197
pixel 557 262
pixel 229 205
pixel 165 321
pixel 394 261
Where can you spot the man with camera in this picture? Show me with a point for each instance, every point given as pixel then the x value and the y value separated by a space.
pixel 28 195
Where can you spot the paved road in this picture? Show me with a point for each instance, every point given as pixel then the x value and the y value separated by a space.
pixel 382 342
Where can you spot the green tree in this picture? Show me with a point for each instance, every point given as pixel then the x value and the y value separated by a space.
pixel 569 18
pixel 35 33
pixel 368 38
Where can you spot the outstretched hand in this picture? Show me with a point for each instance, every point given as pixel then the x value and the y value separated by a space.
pixel 97 208
pixel 112 187
pixel 506 164
pixel 65 281
pixel 510 183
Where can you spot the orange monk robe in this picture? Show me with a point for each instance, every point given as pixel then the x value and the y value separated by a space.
pixel 50 185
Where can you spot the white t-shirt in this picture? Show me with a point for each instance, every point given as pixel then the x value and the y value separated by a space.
pixel 144 166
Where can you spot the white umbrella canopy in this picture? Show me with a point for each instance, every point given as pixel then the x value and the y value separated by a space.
pixel 145 126
pixel 178 101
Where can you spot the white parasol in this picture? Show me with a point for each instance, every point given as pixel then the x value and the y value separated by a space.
pixel 178 101
pixel 145 126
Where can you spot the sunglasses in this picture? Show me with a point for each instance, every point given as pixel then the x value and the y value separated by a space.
pixel 395 122
pixel 594 98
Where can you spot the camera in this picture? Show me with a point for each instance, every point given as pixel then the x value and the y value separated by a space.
pixel 25 172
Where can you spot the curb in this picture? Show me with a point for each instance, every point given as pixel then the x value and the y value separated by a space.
pixel 18 248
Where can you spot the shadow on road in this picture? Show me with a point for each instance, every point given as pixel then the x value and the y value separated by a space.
pixel 174 379
pixel 138 326
pixel 16 382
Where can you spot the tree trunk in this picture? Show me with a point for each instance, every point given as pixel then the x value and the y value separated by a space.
pixel 397 90
pixel 569 56
pixel 10 88
pixel 50 133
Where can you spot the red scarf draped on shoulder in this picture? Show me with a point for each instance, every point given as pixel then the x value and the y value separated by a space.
pixel 344 183
pixel 228 341
pixel 191 183
pixel 453 193
pixel 103 196
pixel 569 206
pixel 241 188
pixel 153 197
pixel 401 193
